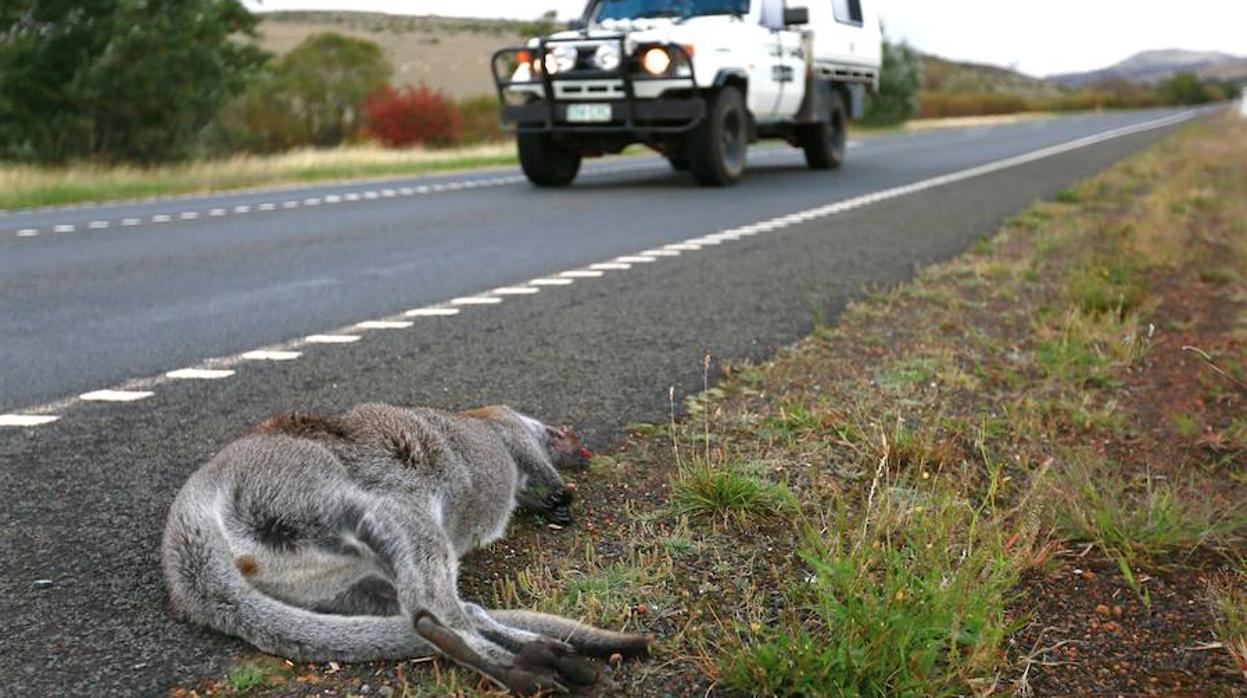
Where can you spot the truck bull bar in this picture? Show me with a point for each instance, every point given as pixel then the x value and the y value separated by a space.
pixel 629 114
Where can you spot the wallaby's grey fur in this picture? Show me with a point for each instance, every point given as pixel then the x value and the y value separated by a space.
pixel 338 538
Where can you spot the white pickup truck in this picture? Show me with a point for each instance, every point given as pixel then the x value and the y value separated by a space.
pixel 696 80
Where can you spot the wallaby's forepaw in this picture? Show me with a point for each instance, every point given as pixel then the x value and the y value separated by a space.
pixel 546 666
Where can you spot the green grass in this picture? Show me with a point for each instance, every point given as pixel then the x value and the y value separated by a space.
pixel 909 599
pixel 28 187
pixel 1107 285
pixel 726 490
pixel 1227 596
pixel 254 674
pixel 1138 520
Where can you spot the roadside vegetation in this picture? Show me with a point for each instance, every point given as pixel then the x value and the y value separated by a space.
pixel 1024 472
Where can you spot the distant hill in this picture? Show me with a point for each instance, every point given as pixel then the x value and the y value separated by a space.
pixel 959 77
pixel 450 54
pixel 1155 66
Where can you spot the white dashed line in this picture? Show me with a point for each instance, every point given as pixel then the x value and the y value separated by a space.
pixel 189 216
pixel 26 420
pixel 266 207
pixel 203 374
pixel 582 274
pixel 370 195
pixel 610 266
pixel 98 225
pixel 161 218
pixel 515 291
pixel 384 325
pixel 351 197
pixel 268 355
pixel 311 202
pixel 290 204
pixel 130 222
pixel 115 395
pixel 682 247
pixel 242 209
pixel 333 199
pixel 432 312
pixel 636 259
pixel 552 282
pixel 63 229
pixel 27 232
pixel 661 253
pixel 388 193
pixel 476 300
pixel 332 338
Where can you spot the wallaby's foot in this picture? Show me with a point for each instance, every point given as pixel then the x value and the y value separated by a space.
pixel 541 667
pixel 554 659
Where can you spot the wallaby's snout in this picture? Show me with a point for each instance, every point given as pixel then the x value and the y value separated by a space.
pixel 558 505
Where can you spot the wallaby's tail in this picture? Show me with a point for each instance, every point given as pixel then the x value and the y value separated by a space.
pixel 588 640
pixel 206 587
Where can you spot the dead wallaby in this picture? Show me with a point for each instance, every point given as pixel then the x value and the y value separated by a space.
pixel 338 538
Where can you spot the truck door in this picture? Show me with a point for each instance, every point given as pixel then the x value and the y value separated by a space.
pixel 790 73
pixel 765 61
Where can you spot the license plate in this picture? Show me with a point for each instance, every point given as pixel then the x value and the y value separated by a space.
pixel 588 113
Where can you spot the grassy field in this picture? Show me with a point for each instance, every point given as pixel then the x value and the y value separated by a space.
pixel 1024 472
pixel 23 186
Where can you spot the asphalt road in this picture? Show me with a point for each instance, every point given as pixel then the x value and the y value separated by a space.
pixel 95 307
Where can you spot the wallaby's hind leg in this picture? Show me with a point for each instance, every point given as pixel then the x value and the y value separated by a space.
pixel 586 639
pixel 541 665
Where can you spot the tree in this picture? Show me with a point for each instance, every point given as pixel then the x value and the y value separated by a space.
pixel 1185 88
pixel 314 95
pixel 896 100
pixel 324 82
pixel 117 79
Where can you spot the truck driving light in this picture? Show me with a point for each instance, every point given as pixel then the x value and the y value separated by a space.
pixel 560 59
pixel 656 61
pixel 607 57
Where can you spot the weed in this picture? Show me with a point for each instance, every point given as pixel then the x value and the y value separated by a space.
pixel 910 599
pixel 1227 595
pixel 1108 285
pixel 727 490
pixel 253 675
pixel 1138 521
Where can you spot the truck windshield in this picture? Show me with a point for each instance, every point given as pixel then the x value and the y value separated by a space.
pixel 636 9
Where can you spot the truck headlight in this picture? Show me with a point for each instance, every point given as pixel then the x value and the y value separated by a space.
pixel 607 57
pixel 656 60
pixel 560 59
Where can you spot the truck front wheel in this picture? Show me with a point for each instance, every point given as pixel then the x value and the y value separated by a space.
pixel 716 148
pixel 824 142
pixel 545 162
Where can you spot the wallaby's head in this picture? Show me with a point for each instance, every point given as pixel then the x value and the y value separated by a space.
pixel 565 448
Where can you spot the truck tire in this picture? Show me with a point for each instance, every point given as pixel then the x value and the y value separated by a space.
pixel 716 147
pixel 545 162
pixel 824 143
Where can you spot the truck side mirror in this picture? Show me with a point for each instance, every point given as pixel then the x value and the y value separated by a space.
pixel 576 24
pixel 796 15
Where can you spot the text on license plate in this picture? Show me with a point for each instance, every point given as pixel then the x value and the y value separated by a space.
pixel 588 113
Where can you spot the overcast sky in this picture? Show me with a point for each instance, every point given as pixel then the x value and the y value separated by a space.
pixel 1039 37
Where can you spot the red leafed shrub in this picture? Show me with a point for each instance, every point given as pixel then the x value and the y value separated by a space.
pixel 411 116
